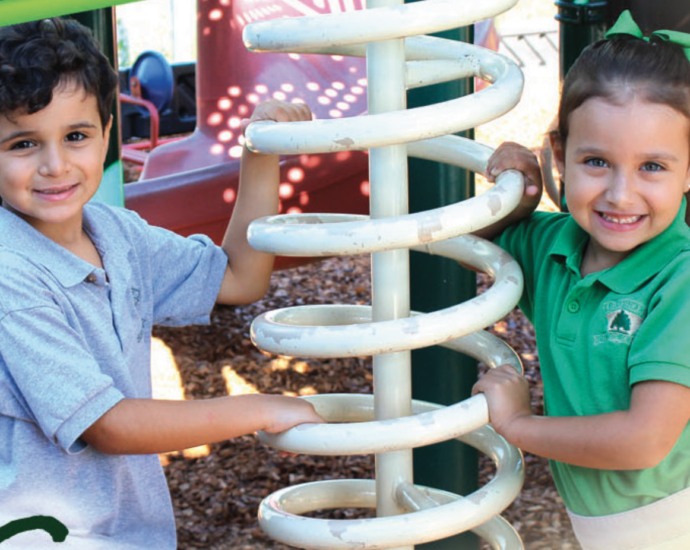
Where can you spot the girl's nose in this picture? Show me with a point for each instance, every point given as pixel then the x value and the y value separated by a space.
pixel 619 189
pixel 54 161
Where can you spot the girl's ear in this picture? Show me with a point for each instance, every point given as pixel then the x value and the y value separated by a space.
pixel 558 148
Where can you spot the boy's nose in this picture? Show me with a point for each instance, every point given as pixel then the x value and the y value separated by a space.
pixel 53 161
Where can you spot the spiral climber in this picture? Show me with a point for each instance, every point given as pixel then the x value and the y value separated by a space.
pixel 389 424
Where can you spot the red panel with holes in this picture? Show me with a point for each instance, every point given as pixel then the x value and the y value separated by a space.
pixel 189 185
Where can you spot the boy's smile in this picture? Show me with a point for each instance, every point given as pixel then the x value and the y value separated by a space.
pixel 626 169
pixel 51 162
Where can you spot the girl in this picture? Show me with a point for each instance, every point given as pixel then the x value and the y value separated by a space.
pixel 605 288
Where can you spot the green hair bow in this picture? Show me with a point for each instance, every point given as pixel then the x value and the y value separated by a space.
pixel 626 25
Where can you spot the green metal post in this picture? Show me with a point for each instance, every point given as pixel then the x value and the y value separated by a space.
pixel 581 23
pixel 102 25
pixel 20 11
pixel 439 375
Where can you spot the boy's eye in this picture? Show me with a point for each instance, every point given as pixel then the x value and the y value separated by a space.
pixel 23 144
pixel 75 136
pixel 596 162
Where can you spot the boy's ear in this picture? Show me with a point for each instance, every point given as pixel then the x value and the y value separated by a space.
pixel 558 148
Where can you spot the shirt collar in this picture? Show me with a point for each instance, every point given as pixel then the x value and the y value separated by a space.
pixel 645 262
pixel 18 236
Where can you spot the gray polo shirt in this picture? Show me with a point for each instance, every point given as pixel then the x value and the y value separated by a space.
pixel 75 340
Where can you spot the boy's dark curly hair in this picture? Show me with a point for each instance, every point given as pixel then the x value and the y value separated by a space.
pixel 38 56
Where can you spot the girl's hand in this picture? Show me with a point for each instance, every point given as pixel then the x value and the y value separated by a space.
pixel 507 394
pixel 278 111
pixel 513 156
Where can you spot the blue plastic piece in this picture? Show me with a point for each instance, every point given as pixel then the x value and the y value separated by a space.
pixel 155 76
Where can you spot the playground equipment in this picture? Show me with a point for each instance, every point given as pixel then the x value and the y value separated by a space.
pixel 389 423
pixel 189 185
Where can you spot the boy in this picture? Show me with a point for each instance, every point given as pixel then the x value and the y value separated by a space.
pixel 81 285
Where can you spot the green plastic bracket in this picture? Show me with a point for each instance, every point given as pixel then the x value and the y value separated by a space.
pixel 21 11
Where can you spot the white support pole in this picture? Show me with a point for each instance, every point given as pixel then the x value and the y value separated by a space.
pixel 390 270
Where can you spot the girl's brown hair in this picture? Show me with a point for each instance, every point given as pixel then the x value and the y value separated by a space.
pixel 614 70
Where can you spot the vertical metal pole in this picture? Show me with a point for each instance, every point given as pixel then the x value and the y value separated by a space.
pixel 390 270
pixel 102 25
pixel 581 23
pixel 440 375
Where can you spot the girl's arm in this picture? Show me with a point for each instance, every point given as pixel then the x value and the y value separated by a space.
pixel 637 438
pixel 248 273
pixel 149 426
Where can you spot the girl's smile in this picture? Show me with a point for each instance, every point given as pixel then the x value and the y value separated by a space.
pixel 626 167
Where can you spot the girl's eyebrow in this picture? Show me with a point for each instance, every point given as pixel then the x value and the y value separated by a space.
pixel 658 155
pixel 28 133
pixel 588 151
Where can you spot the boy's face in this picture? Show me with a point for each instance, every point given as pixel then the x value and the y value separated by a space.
pixel 51 162
pixel 626 168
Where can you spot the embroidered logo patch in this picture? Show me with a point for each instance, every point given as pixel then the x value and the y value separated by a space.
pixel 623 322
pixel 623 318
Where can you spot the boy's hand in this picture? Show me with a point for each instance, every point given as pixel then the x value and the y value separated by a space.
pixel 507 394
pixel 285 412
pixel 278 111
pixel 513 156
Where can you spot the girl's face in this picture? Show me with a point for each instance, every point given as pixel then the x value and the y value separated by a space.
pixel 626 168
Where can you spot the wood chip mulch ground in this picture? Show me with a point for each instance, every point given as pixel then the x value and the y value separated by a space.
pixel 216 490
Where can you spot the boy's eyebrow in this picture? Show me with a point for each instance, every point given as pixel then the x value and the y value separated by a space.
pixel 28 133
pixel 15 135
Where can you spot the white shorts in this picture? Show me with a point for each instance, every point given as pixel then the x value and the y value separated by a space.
pixel 662 525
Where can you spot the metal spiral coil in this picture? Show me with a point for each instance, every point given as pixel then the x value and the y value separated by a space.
pixel 389 423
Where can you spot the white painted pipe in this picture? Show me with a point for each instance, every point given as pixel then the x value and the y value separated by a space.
pixel 302 34
pixel 279 514
pixel 348 331
pixel 388 128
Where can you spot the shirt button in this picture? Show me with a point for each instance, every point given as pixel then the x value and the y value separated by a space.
pixel 90 278
pixel 573 307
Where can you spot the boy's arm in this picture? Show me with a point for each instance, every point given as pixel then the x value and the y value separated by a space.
pixel 248 273
pixel 148 426
pixel 637 438
pixel 512 156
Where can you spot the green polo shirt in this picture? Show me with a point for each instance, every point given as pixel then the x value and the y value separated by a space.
pixel 599 335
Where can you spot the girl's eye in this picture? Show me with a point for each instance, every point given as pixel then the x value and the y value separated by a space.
pixel 596 162
pixel 652 167
pixel 75 136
